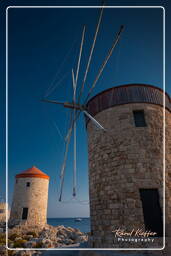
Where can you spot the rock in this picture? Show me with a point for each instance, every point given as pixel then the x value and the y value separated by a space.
pixel 20 253
pixel 35 240
pixel 70 229
pixel 79 233
pixel 68 241
pixel 2 250
pixel 81 239
pixel 47 243
pixel 28 237
pixel 76 230
pixel 60 227
pixel 61 237
pixel 73 235
pixel 18 238
pixel 2 224
pixel 13 236
pixel 62 233
pixel 30 244
pixel 48 233
pixel 59 240
pixel 48 236
pixel 10 244
pixel 24 253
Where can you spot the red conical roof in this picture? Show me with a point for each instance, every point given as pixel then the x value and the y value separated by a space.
pixel 32 172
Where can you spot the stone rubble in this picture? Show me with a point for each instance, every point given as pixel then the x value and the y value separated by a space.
pixel 42 237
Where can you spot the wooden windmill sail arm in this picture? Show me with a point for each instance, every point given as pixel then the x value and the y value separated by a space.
pixel 73 105
pixel 66 104
pixel 64 165
pixel 74 81
pixel 91 53
pixel 53 101
pixel 116 40
pixel 74 85
pixel 98 125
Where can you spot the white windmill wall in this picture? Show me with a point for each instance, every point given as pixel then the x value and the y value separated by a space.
pixel 34 197
pixel 3 208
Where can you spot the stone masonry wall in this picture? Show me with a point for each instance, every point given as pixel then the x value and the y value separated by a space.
pixel 34 197
pixel 168 173
pixel 122 161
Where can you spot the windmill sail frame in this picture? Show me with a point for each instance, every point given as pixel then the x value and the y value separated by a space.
pixel 76 106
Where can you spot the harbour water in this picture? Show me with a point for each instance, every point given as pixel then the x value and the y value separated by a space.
pixel 83 225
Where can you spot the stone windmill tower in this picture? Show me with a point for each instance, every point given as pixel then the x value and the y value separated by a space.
pixel 29 205
pixel 3 210
pixel 126 162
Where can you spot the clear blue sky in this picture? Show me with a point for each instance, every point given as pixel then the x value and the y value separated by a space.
pixel 39 40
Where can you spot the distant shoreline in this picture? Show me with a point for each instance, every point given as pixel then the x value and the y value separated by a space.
pixel 81 223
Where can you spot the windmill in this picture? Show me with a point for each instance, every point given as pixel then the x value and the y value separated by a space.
pixel 78 106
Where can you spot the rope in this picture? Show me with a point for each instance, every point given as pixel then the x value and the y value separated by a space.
pixel 54 124
pixel 57 85
pixel 47 93
pixel 58 130
pixel 117 58
pixel 79 59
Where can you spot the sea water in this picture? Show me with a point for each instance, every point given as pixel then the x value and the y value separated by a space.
pixel 83 225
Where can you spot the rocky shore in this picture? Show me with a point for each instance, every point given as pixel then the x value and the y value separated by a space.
pixel 40 237
pixel 56 237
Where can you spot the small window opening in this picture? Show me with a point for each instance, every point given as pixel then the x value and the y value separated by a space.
pixel 25 213
pixel 139 118
pixel 28 184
